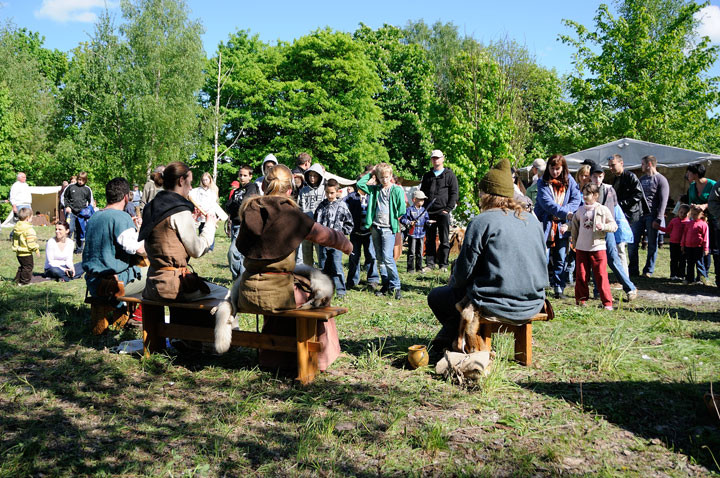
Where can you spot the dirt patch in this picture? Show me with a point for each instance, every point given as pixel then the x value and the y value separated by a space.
pixel 699 297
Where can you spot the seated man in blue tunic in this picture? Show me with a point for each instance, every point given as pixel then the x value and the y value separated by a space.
pixel 501 269
pixel 111 244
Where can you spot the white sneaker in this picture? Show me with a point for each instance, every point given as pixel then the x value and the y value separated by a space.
pixel 632 295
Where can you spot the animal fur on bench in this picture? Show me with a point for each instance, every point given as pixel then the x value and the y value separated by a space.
pixel 467 339
pixel 319 285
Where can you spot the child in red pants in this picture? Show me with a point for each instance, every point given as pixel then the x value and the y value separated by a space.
pixel 588 228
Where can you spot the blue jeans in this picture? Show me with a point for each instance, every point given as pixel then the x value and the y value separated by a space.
pixel 384 242
pixel 321 255
pixel 235 259
pixel 362 244
pixel 58 273
pixel 644 224
pixel 556 263
pixel 615 263
pixel 334 269
pixel 70 218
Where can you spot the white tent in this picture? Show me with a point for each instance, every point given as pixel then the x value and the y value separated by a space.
pixel 671 161
pixel 633 151
pixel 44 201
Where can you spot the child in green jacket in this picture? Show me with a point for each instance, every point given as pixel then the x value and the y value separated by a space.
pixel 386 204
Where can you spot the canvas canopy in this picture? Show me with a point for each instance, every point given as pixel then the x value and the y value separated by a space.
pixel 672 161
pixel 633 151
pixel 44 201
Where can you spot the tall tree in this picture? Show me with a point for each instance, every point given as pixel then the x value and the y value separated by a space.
pixel 165 66
pixel 316 95
pixel 541 113
pixel 473 123
pixel 28 87
pixel 130 98
pixel 643 74
pixel 407 78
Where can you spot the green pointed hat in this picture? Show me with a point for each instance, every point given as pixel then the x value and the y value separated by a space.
pixel 498 180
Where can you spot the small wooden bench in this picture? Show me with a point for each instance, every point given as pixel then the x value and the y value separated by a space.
pixel 305 343
pixel 104 313
pixel 522 333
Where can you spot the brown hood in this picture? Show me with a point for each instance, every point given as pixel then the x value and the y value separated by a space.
pixel 272 227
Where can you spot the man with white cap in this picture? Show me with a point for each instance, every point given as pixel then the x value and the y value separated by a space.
pixel 440 185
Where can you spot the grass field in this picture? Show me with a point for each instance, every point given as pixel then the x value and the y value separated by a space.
pixel 609 393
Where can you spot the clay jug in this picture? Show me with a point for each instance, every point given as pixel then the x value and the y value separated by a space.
pixel 418 356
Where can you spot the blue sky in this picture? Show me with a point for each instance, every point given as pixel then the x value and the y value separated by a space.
pixel 65 23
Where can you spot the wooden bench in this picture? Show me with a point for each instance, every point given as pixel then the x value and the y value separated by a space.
pixel 304 344
pixel 105 314
pixel 522 333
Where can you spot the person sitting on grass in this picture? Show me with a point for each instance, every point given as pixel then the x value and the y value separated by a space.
pixel 334 214
pixel 501 267
pixel 59 256
pixel 24 244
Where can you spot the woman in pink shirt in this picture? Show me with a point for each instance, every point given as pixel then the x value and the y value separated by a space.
pixel 696 245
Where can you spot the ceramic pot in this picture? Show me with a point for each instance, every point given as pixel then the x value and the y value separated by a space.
pixel 418 356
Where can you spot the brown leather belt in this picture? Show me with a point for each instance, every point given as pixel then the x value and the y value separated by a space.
pixel 169 268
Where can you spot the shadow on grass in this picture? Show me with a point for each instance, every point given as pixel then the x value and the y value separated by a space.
pixel 671 412
pixel 680 312
pixel 85 415
pixel 706 335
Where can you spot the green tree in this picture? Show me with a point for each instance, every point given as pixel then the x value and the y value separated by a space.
pixel 473 123
pixel 130 100
pixel 643 74
pixel 407 78
pixel 540 113
pixel 165 70
pixel 27 87
pixel 316 95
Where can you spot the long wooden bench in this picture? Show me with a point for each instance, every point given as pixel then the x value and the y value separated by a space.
pixel 522 333
pixel 304 344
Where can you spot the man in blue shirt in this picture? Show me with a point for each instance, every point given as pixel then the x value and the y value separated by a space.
pixel 111 243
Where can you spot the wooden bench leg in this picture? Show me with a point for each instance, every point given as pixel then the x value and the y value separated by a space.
pixel 100 317
pixel 523 343
pixel 307 362
pixel 486 331
pixel 153 316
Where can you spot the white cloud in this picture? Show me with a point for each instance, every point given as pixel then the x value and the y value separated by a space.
pixel 709 18
pixel 71 10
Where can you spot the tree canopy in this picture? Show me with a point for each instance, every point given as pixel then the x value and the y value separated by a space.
pixel 643 74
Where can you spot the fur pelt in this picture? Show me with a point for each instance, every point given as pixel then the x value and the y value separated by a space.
pixel 462 367
pixel 467 340
pixel 321 286
pixel 225 322
pixel 457 236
